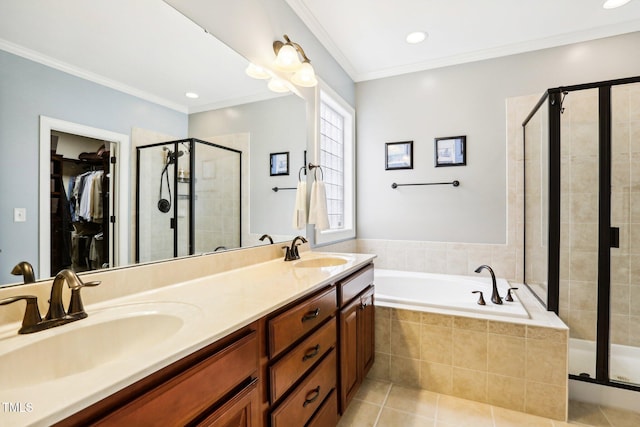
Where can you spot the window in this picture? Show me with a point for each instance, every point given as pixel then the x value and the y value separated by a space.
pixel 336 157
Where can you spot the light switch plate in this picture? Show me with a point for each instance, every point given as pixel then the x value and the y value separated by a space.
pixel 19 214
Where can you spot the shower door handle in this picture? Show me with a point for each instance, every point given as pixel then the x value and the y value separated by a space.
pixel 172 223
pixel 614 237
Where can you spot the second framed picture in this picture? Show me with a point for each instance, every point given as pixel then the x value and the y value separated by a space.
pixel 398 155
pixel 451 151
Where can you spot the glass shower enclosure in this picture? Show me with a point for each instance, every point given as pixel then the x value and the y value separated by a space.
pixel 188 199
pixel 582 223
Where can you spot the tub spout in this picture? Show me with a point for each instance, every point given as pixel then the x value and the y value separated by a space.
pixel 495 297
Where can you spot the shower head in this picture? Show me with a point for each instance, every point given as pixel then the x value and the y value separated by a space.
pixel 171 156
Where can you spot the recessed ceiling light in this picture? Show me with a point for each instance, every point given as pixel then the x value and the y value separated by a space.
pixel 612 4
pixel 416 37
pixel 192 95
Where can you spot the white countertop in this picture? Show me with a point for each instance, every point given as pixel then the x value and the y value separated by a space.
pixel 211 308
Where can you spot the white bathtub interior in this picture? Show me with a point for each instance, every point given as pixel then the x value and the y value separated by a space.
pixel 444 292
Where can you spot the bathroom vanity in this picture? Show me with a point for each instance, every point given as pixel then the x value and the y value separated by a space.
pixel 275 344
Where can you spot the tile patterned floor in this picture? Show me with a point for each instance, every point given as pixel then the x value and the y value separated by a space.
pixel 381 404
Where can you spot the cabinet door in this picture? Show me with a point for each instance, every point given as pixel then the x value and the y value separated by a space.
pixel 348 353
pixel 240 411
pixel 366 333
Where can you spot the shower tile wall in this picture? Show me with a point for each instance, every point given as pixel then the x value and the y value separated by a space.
pixel 625 261
pixel 579 213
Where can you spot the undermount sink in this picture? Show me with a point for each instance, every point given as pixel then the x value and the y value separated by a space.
pixel 330 261
pixel 109 335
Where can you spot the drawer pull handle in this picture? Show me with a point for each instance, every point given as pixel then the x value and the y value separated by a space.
pixel 313 353
pixel 316 395
pixel 311 315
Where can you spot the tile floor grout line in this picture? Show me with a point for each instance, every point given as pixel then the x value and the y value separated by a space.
pixel 384 402
pixel 605 416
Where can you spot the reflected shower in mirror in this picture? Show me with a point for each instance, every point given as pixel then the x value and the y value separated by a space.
pixel 194 204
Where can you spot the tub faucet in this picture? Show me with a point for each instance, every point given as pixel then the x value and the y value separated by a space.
pixel 26 270
pixel 292 253
pixel 495 297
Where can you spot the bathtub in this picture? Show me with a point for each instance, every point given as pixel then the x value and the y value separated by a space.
pixel 442 293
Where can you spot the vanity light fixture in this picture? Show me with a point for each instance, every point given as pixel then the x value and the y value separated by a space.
pixel 612 4
pixel 192 95
pixel 278 85
pixel 416 37
pixel 290 57
pixel 257 72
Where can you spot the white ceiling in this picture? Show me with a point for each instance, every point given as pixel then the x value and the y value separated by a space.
pixel 367 37
pixel 142 47
pixel 146 48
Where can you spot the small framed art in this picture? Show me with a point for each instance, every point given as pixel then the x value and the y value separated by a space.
pixel 451 151
pixel 279 164
pixel 398 155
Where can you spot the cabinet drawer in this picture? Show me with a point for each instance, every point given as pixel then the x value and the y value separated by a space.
pixel 294 323
pixel 299 360
pixel 239 411
pixel 327 415
pixel 350 287
pixel 307 397
pixel 191 392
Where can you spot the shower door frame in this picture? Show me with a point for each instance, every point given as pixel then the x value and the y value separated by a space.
pixel 554 98
pixel 192 152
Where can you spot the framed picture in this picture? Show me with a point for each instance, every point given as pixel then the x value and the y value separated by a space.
pixel 399 155
pixel 451 151
pixel 279 164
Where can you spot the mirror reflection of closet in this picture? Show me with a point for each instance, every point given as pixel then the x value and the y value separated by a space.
pixel 81 201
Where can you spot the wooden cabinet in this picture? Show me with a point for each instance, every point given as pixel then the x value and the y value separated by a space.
pixel 356 331
pixel 302 366
pixel 216 385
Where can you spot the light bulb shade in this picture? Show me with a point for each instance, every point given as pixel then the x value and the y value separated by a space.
pixel 257 72
pixel 288 59
pixel 305 76
pixel 278 85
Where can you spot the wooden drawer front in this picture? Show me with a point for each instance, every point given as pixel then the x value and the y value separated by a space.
pixel 291 325
pixel 307 397
pixel 327 415
pixel 239 411
pixel 353 285
pixel 299 360
pixel 188 394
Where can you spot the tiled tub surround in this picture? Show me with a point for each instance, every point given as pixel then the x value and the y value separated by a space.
pixel 517 366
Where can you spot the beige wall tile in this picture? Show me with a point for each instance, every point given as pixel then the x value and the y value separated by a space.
pixel 505 355
pixel 436 344
pixel 380 368
pixel 405 315
pixel 469 384
pixel 469 323
pixel 404 371
pixel 504 328
pixel 469 350
pixel 437 319
pixel 546 362
pixel 546 400
pixel 506 392
pixel 382 333
pixel 405 339
pixel 547 334
pixel 436 377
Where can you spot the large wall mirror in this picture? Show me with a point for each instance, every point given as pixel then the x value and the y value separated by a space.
pixel 114 73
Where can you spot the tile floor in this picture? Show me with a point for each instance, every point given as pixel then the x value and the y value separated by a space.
pixel 382 404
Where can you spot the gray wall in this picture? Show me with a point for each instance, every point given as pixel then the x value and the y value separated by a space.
pixel 276 125
pixel 28 90
pixel 466 100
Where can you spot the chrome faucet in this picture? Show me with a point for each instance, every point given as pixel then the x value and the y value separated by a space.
pixel 26 270
pixel 495 297
pixel 56 316
pixel 292 253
